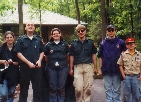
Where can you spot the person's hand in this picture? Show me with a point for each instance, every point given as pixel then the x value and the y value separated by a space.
pixel 5 63
pixel 139 78
pixel 10 61
pixel 31 65
pixel 95 71
pixel 38 64
pixel 71 72
pixel 124 76
pixel 15 63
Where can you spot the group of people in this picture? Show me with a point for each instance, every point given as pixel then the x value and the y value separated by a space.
pixel 21 62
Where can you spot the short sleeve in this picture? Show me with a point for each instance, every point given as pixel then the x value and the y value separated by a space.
pixel 18 47
pixel 46 50
pixel 94 49
pixel 120 60
pixel 71 51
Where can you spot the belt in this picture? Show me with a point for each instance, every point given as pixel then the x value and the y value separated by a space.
pixel 131 74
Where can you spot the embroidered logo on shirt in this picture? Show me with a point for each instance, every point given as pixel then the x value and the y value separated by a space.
pixel 137 58
pixel 51 51
pixel 24 45
pixel 117 45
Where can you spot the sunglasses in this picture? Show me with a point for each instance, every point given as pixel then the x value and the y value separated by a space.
pixel 79 31
pixel 109 30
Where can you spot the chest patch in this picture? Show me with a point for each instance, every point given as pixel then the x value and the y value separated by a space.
pixel 117 45
pixel 51 51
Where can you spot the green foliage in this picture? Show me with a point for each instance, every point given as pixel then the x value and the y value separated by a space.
pixel 118 11
pixel 138 45
pixel 6 5
pixel 69 38
pixel 95 32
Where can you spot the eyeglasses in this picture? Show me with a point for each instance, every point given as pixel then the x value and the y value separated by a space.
pixel 79 31
pixel 109 30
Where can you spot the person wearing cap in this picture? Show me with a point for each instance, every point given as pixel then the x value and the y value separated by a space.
pixel 130 68
pixel 109 52
pixel 82 55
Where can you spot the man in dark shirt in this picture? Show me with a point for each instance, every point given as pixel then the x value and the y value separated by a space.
pixel 30 51
pixel 82 55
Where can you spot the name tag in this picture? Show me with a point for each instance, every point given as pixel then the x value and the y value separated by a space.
pixel 56 64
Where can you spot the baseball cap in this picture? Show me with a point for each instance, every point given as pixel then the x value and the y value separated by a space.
pixel 111 27
pixel 79 27
pixel 130 40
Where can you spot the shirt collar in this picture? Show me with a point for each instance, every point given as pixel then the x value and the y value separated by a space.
pixel 83 41
pixel 55 43
pixel 127 51
pixel 34 36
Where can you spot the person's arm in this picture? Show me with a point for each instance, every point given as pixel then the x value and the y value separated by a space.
pixel 22 58
pixel 71 65
pixel 95 63
pixel 4 62
pixel 140 70
pixel 120 62
pixel 40 60
pixel 68 57
pixel 68 49
pixel 15 63
pixel 140 75
pixel 100 65
pixel 122 71
pixel 100 56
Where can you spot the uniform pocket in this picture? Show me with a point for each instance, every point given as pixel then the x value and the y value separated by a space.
pixel 126 62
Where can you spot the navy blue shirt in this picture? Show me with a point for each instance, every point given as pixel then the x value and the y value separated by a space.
pixel 109 51
pixel 57 54
pixel 30 49
pixel 11 73
pixel 6 54
pixel 82 51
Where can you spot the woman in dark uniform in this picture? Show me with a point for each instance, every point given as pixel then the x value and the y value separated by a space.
pixel 56 52
pixel 9 68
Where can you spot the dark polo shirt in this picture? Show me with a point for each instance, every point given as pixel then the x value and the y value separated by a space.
pixel 30 49
pixel 57 54
pixel 82 51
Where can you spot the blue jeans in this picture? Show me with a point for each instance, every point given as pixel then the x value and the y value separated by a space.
pixel 131 89
pixel 140 90
pixel 112 85
pixel 6 92
pixel 57 80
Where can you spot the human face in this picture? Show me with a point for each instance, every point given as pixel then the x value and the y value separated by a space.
pixel 81 33
pixel 56 35
pixel 131 46
pixel 30 27
pixel 111 32
pixel 9 38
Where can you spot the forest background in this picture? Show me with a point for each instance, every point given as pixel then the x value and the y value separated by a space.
pixel 124 14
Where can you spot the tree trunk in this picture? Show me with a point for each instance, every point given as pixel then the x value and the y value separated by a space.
pixel 20 11
pixel 40 20
pixel 77 11
pixel 103 15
